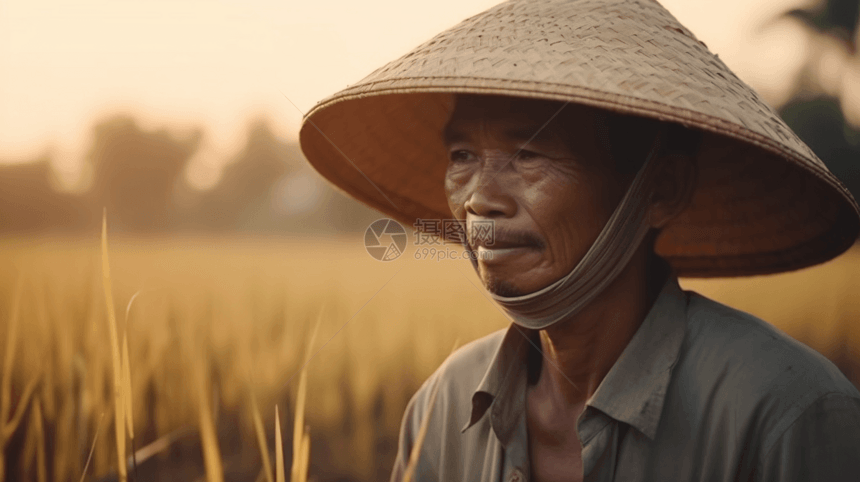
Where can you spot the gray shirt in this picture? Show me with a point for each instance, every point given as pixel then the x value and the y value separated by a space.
pixel 702 392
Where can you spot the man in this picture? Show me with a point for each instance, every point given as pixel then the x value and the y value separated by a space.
pixel 613 153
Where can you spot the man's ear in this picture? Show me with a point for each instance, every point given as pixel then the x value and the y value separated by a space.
pixel 673 190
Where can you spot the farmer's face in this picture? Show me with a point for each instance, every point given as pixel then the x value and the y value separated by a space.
pixel 548 190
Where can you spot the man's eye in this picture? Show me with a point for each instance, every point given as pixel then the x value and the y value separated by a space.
pixel 526 155
pixel 461 156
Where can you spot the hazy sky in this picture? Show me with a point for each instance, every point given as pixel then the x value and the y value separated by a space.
pixel 218 64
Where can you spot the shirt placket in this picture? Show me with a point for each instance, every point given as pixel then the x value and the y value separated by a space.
pixel 516 460
pixel 515 453
pixel 598 434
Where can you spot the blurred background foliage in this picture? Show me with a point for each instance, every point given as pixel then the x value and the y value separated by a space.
pixel 816 111
pixel 138 175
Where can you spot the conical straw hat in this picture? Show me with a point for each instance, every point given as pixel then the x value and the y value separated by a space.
pixel 764 202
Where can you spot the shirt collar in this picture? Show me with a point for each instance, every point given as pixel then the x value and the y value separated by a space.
pixel 632 392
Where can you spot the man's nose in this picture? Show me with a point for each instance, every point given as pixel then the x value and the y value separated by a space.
pixel 490 198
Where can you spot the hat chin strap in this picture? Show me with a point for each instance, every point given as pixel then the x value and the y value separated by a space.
pixel 604 261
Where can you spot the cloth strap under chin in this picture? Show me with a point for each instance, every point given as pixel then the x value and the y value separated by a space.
pixel 605 259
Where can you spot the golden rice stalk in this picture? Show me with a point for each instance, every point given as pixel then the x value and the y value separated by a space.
pixel 126 372
pixel 279 449
pixel 9 354
pixel 409 473
pixel 13 423
pixel 65 459
pixel 93 448
pixel 126 390
pixel 48 402
pixel 33 438
pixel 300 453
pixel 7 428
pixel 41 469
pixel 159 445
pixel 119 402
pixel 28 452
pixel 304 455
pixel 126 385
pixel 81 403
pixel 208 437
pixel 53 375
pixel 101 458
pixel 298 432
pixel 261 438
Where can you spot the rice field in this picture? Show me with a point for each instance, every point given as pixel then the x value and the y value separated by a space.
pixel 209 335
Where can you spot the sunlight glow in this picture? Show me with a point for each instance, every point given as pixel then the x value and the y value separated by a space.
pixel 218 65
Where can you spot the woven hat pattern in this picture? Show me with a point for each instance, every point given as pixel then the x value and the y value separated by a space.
pixel 765 203
pixel 649 59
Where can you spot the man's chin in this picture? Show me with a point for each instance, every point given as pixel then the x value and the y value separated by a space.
pixel 511 284
pixel 502 287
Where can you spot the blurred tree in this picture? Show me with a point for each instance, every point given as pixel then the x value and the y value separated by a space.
pixel 816 112
pixel 241 200
pixel 269 187
pixel 134 174
pixel 833 17
pixel 29 204
pixel 340 213
pixel 821 124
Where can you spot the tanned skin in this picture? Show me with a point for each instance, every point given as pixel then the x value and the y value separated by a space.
pixel 549 199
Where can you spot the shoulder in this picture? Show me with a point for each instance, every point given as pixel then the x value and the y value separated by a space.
pixel 822 443
pixel 740 364
pixel 755 354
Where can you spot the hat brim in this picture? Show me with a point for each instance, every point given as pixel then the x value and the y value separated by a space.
pixel 764 202
pixel 751 213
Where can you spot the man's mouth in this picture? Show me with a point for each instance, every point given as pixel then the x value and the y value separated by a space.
pixel 499 255
pixel 502 245
pixel 502 238
pixel 506 245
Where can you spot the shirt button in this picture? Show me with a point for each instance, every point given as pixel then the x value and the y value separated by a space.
pixel 517 476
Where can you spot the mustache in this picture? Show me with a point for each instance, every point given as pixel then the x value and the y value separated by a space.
pixel 502 236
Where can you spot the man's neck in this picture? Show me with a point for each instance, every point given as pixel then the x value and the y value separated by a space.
pixel 579 352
